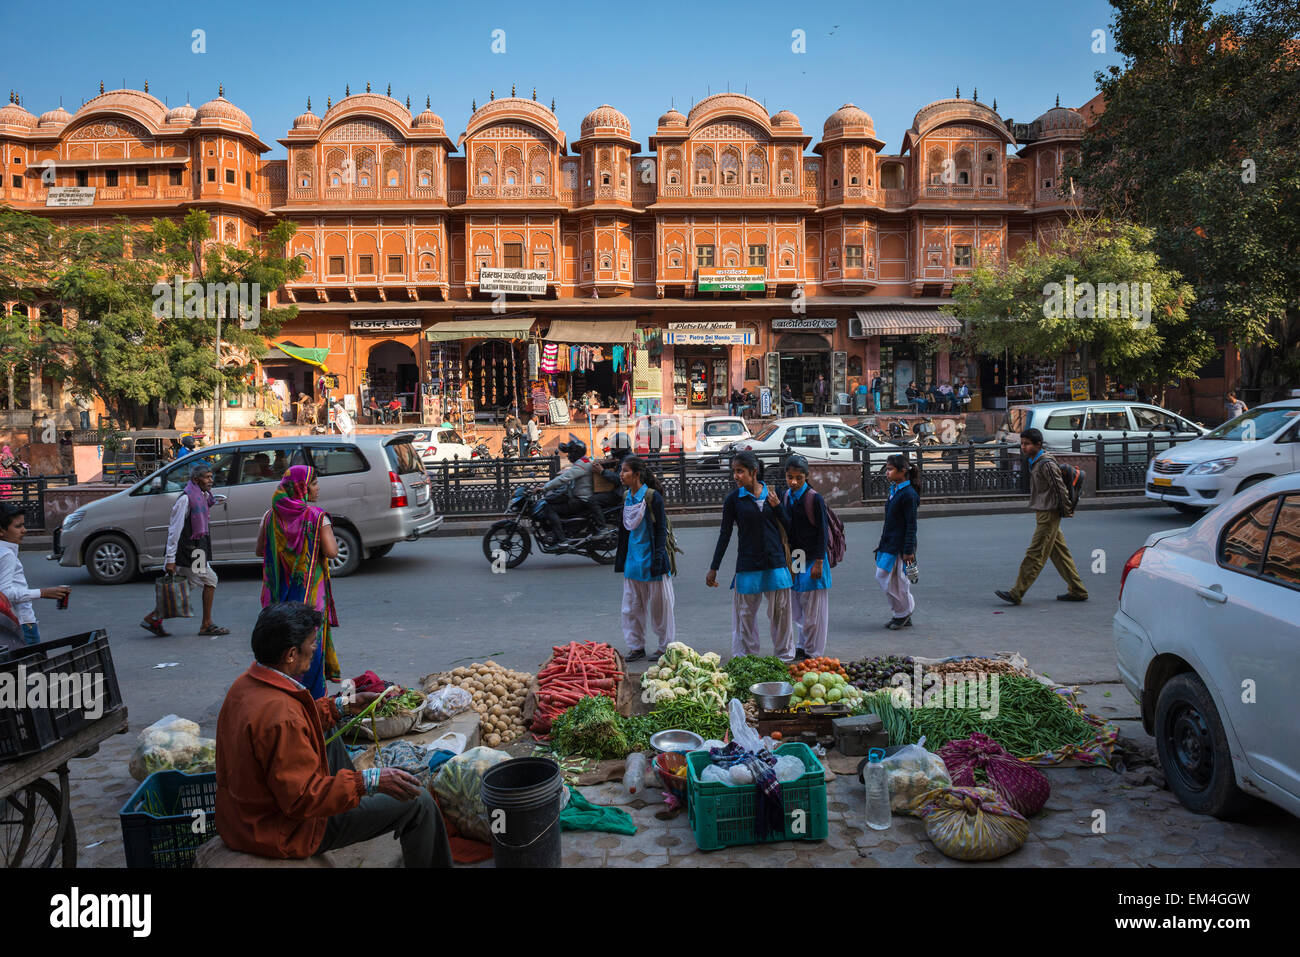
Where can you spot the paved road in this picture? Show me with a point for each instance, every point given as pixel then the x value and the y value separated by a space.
pixel 432 603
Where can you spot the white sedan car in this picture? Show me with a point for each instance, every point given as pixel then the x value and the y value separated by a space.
pixel 1207 637
pixel 816 439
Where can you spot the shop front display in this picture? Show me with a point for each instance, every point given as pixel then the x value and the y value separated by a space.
pixel 588 363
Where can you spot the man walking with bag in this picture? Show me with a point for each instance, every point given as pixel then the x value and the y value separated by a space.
pixel 1049 500
pixel 189 550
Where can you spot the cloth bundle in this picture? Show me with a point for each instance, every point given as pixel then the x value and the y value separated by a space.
pixel 972 824
pixel 769 809
pixel 1022 786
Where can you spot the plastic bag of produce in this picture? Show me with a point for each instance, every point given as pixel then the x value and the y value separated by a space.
pixel 459 787
pixel 172 743
pixel 788 768
pixel 979 761
pixel 741 732
pixel 713 774
pixel 972 824
pixel 912 772
pixel 447 703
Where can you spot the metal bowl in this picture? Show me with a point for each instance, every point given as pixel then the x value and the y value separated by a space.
pixel 677 741
pixel 772 695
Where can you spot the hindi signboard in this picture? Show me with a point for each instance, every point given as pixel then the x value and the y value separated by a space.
pixel 528 282
pixel 389 324
pixel 70 196
pixel 1079 389
pixel 731 279
pixel 778 324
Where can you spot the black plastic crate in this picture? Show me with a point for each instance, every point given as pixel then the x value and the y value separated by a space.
pixel 158 821
pixel 26 730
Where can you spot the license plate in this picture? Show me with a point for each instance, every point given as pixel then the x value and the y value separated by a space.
pixel 421 494
pixel 1162 481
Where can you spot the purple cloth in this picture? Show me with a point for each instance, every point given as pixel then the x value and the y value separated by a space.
pixel 200 503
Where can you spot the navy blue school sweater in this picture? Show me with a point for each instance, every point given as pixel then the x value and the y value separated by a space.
pixel 760 543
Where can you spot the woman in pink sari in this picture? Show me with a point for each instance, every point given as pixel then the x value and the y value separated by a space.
pixel 296 542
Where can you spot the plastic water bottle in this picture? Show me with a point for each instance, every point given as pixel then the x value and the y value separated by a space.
pixel 634 773
pixel 877 779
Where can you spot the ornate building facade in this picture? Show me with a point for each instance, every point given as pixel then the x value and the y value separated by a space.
pixel 731 252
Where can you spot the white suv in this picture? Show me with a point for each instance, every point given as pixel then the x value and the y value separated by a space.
pixel 1200 474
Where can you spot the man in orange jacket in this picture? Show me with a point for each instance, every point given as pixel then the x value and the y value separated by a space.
pixel 281 791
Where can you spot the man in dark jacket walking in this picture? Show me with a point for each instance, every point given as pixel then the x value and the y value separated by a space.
pixel 1050 502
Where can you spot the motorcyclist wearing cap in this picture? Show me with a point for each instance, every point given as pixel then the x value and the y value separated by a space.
pixel 576 479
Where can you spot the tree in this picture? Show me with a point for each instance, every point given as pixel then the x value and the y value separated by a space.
pixel 1097 286
pixel 1200 141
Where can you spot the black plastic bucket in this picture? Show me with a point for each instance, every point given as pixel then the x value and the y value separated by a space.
pixel 522 797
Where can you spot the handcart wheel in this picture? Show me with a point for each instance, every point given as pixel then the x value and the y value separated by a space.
pixel 29 828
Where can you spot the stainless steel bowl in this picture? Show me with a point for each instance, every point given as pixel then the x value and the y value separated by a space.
pixel 677 741
pixel 772 695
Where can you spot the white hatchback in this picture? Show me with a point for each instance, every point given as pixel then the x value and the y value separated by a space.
pixel 1206 638
pixel 1200 474
pixel 718 431
pixel 441 445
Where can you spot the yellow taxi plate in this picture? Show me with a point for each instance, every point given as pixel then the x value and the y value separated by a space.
pixel 1162 481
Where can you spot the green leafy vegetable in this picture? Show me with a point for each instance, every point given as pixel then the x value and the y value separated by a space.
pixel 748 670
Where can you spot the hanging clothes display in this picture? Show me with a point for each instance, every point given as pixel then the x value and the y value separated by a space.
pixel 550 355
pixel 534 359
pixel 620 365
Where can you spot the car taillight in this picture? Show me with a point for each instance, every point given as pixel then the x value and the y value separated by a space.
pixel 398 491
pixel 432 449
pixel 1133 562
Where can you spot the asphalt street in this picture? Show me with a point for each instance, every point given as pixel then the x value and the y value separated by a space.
pixel 432 604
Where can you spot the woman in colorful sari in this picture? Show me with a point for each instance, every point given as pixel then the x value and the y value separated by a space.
pixel 296 542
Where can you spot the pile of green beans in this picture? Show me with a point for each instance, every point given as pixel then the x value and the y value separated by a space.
pixel 1031 719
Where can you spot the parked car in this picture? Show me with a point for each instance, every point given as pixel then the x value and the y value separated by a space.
pixel 817 439
pixel 443 445
pixel 1206 637
pixel 374 487
pixel 718 431
pixel 1200 474
pixel 657 434
pixel 1060 422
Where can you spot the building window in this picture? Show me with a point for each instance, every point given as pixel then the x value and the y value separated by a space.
pixel 336 265
pixel 785 178
pixel 82 177
pixel 988 157
pixel 212 175
pixel 963 178
pixel 248 180
pixel 305 182
pixel 18 182
pixel 604 179
pixel 990 179
pixel 853 181
pixel 510 177
pixel 334 179
pixel 110 177
pixel 485 179
pixel 230 177
pixel 674 261
pixel 426 264
pixel 363 179
pixel 835 182
pixel 424 179
pixel 174 177
pixel 758 255
pixel 394 264
pixel 142 177
pixel 366 265
pixel 513 255
pixel 703 255
pixel 672 178
pixel 392 177
pixel 539 179
pixel 852 257
pixel 961 256
pixel 1047 184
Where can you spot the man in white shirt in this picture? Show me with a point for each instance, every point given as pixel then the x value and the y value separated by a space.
pixel 343 421
pixel 534 432
pixel 13 578
pixel 189 538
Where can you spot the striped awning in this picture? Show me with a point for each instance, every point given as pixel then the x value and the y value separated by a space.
pixel 903 322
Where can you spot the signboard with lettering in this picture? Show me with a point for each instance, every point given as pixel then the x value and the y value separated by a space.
pixel 703 324
pixel 530 282
pixel 804 323
pixel 1079 389
pixel 702 337
pixel 70 196
pixel 390 324
pixel 731 279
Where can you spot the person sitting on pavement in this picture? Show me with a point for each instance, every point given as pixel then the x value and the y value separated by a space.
pixel 282 792
pixel 576 481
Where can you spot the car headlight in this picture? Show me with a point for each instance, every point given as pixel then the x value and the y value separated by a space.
pixel 71 520
pixel 1213 467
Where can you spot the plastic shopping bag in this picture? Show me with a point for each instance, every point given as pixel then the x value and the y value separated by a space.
pixel 913 771
pixel 447 703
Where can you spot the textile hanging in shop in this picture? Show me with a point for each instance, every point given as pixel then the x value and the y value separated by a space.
pixel 534 359
pixel 620 365
pixel 550 355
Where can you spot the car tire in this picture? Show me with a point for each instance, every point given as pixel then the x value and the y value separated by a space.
pixel 379 551
pixel 1193 749
pixel 1253 480
pixel 348 560
pixel 111 560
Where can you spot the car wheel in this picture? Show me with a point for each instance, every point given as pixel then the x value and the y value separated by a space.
pixel 1193 748
pixel 1254 480
pixel 379 551
pixel 111 560
pixel 348 559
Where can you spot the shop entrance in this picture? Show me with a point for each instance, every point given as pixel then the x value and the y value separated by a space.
pixel 700 379
pixel 392 373
pixel 901 364
pixel 496 369
pixel 803 357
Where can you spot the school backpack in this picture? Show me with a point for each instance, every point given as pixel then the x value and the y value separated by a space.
pixel 670 539
pixel 1073 479
pixel 836 546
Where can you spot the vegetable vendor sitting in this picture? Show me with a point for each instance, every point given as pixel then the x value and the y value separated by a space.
pixel 282 792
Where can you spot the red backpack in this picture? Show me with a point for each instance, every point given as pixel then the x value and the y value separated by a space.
pixel 836 546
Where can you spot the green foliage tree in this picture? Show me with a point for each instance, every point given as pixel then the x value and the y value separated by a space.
pixel 1200 141
pixel 1066 296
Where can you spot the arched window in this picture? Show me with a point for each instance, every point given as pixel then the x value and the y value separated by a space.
pixel 730 167
pixel 756 168
pixel 962 167
pixel 704 167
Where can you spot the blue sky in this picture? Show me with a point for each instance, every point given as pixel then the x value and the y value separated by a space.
pixel 888 58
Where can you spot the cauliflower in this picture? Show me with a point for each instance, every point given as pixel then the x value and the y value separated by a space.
pixel 652 672
pixel 677 682
pixel 712 658
pixel 677 646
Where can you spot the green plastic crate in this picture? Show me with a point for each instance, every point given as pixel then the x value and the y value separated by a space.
pixel 723 816
pixel 158 822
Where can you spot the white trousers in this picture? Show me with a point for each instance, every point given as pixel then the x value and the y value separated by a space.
pixel 811 612
pixel 744 623
pixel 652 603
pixel 897 589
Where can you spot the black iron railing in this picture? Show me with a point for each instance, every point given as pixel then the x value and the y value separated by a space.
pixel 1122 462
pixel 949 471
pixel 484 486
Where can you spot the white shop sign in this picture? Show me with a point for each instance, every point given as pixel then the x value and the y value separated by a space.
pixel 706 324
pixel 531 282
pixel 720 337
pixel 804 323
pixel 70 196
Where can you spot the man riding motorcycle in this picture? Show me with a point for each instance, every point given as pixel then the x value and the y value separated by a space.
pixel 571 493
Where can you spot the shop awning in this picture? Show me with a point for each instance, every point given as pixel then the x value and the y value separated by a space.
pixel 902 322
pixel 586 331
pixel 313 357
pixel 507 327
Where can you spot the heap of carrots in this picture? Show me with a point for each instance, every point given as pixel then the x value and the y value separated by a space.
pixel 800 668
pixel 577 670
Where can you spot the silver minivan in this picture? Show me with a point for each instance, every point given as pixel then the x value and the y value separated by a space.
pixel 1060 422
pixel 374 487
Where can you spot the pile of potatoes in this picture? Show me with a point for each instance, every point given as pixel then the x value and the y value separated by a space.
pixel 498 698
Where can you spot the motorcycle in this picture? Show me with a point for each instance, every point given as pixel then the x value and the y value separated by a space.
pixel 925 434
pixel 900 434
pixel 513 536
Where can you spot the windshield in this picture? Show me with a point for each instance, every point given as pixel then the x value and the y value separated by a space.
pixel 1254 425
pixel 723 428
pixel 766 434
pixel 402 458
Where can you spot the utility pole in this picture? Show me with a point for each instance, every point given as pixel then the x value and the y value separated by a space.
pixel 216 395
